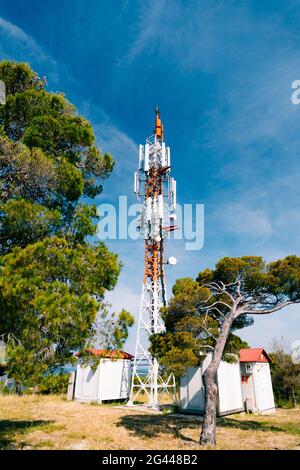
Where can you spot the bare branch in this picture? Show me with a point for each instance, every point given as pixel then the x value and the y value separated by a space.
pixel 208 298
pixel 216 308
pixel 221 289
pixel 208 332
pixel 213 285
pixel 268 310
pixel 219 302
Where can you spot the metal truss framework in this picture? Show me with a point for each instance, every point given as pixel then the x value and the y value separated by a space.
pixel 158 192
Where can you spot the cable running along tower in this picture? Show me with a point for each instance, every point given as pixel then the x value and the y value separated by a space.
pixel 157 191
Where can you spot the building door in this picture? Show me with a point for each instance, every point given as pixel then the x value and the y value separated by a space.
pixel 263 388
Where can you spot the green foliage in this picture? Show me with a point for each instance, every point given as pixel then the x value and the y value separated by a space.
pixel 110 333
pixel 278 280
pixel 48 157
pixel 285 376
pixel 199 309
pixel 22 364
pixel 286 277
pixel 244 268
pixel 182 344
pixel 124 321
pixel 4 389
pixel 51 292
pixel 21 110
pixel 205 276
pixel 96 166
pixel 54 384
pixel 188 294
pixel 176 351
pixel 60 161
pixel 52 282
pixel 82 222
pixel 26 173
pixel 232 347
pixel 23 222
pixel 19 77
pixel 59 135
pixel 70 181
pixel 111 329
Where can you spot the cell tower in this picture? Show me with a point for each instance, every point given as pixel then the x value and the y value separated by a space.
pixel 157 191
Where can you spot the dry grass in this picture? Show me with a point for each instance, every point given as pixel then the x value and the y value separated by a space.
pixel 48 422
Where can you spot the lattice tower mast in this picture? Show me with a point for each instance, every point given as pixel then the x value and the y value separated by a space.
pixel 157 191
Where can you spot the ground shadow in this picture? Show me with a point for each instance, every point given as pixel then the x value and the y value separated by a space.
pixel 8 428
pixel 149 426
pixel 248 425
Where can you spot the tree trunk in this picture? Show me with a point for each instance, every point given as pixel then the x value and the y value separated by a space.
pixel 19 390
pixel 294 400
pixel 208 433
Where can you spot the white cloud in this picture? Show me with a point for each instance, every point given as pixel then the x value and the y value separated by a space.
pixel 238 219
pixel 193 35
pixel 24 40
pixel 150 24
pixel 125 151
pixel 117 142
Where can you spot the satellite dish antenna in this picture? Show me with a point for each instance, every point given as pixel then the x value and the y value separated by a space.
pixel 172 261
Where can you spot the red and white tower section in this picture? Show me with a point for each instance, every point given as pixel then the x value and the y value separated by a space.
pixel 157 191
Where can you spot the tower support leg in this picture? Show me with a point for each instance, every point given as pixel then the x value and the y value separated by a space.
pixel 147 379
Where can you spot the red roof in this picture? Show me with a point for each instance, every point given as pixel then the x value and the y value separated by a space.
pixel 107 354
pixel 254 355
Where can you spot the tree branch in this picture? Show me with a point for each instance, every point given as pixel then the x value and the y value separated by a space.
pixel 268 310
pixel 208 332
pixel 215 308
pixel 221 289
pixel 219 302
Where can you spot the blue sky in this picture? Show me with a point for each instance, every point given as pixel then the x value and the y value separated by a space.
pixel 221 72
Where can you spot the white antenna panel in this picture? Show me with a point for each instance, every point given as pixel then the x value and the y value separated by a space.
pixel 168 156
pixel 171 186
pixel 136 182
pixel 160 206
pixel 174 193
pixel 163 154
pixel 141 220
pixel 146 158
pixel 141 156
pixel 148 208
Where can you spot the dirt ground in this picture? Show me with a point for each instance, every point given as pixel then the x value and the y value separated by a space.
pixel 51 422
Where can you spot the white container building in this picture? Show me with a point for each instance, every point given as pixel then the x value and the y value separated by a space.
pixel 256 380
pixel 230 400
pixel 110 380
pixel 244 385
